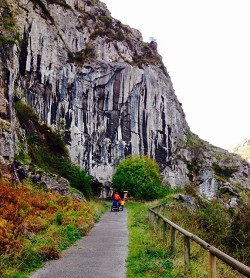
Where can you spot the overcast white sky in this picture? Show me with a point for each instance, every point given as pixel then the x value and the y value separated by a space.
pixel 205 45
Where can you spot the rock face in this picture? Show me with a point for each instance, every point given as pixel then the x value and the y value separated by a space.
pixel 93 89
pixel 243 149
pixel 97 83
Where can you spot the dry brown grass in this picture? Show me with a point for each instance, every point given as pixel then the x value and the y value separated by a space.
pixel 36 225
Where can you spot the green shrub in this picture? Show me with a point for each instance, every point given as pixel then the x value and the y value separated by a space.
pixel 107 20
pixel 82 56
pixel 25 113
pixel 215 223
pixel 61 3
pixel 224 171
pixel 76 57
pixel 77 177
pixel 47 151
pixel 8 33
pixel 226 228
pixel 140 176
pixel 239 241
pixel 80 180
pixel 38 134
pixel 7 41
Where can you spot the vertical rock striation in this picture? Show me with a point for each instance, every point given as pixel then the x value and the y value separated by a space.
pixel 107 92
pixel 96 82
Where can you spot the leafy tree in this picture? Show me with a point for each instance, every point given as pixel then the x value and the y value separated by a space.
pixel 140 176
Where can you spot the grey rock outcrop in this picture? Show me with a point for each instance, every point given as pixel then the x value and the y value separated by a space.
pixel 208 184
pixel 190 202
pixel 106 91
pixel 106 106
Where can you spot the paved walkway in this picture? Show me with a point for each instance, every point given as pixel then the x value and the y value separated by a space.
pixel 101 254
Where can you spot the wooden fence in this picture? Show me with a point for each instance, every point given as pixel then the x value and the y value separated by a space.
pixel 162 223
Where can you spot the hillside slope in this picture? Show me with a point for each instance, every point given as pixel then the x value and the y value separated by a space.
pixel 242 149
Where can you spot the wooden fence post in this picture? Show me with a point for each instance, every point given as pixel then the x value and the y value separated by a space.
pixel 150 216
pixel 158 219
pixel 187 252
pixel 165 231
pixel 214 253
pixel 154 221
pixel 173 239
pixel 212 265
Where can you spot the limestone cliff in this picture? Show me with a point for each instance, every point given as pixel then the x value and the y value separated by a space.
pixel 106 91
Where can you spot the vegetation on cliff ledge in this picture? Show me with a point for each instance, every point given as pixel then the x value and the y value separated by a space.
pixel 8 33
pixel 46 151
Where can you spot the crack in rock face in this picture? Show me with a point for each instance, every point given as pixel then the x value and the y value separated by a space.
pixel 105 106
pixel 107 92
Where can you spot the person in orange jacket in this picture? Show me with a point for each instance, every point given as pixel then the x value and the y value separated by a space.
pixel 122 203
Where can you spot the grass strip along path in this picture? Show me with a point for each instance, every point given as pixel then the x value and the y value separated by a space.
pixel 102 253
pixel 147 257
pixel 150 255
pixel 122 244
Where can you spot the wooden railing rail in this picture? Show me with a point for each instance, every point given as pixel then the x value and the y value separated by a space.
pixel 214 253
